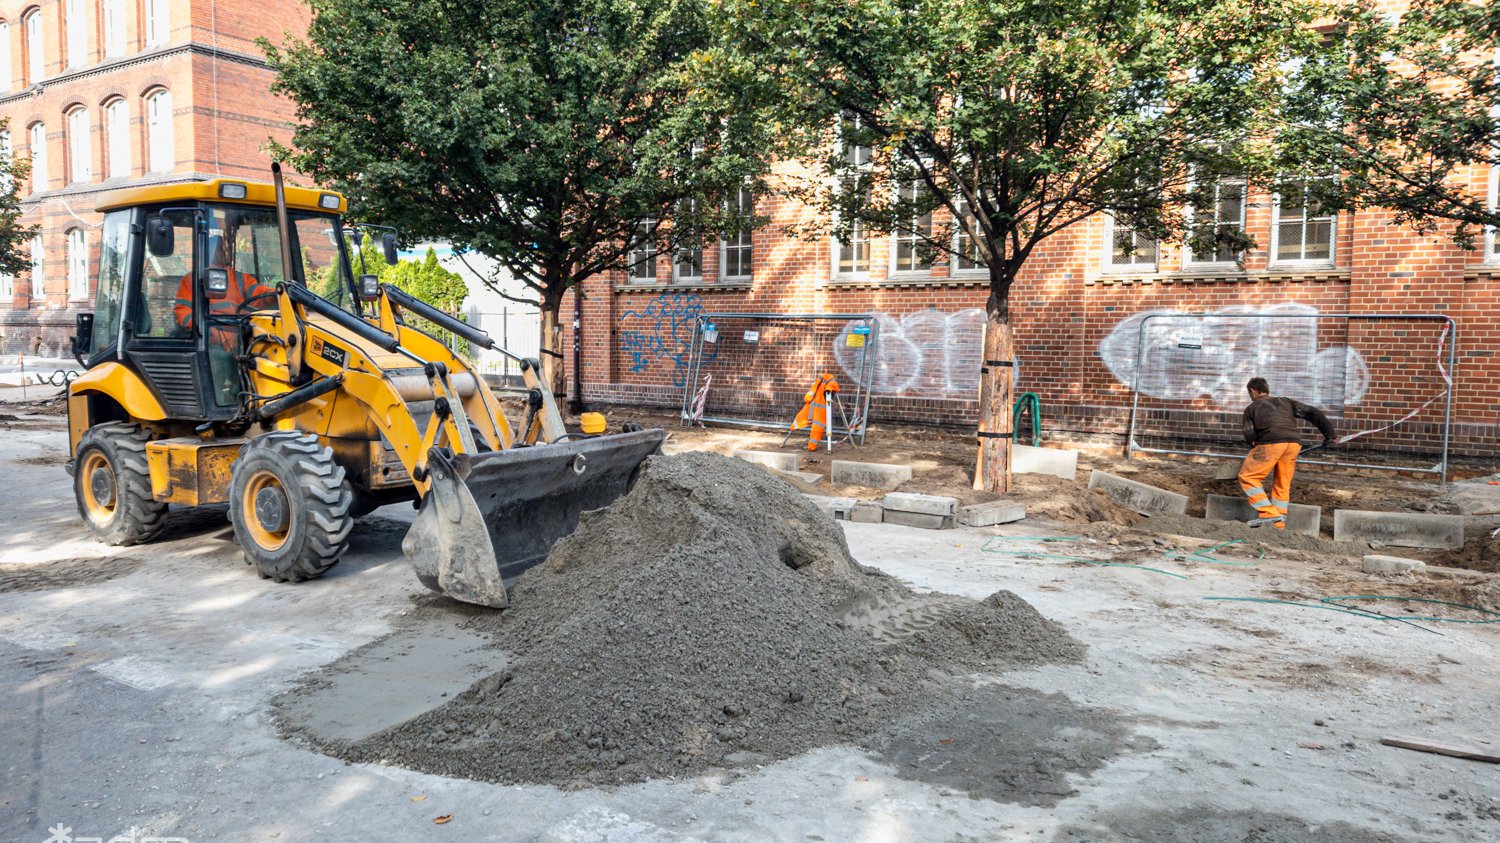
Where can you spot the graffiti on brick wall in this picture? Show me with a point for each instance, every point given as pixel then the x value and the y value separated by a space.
pixel 1184 358
pixel 662 333
pixel 929 353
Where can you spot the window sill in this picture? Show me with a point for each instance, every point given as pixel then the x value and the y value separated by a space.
pixel 909 280
pixel 1274 275
pixel 724 286
pixel 1488 271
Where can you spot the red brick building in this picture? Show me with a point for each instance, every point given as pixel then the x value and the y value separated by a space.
pixel 1078 312
pixel 103 93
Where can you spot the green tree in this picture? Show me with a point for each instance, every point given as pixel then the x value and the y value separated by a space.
pixel 1016 119
pixel 15 257
pixel 426 279
pixel 549 136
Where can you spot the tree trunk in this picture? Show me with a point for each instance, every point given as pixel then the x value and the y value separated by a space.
pixel 996 398
pixel 551 350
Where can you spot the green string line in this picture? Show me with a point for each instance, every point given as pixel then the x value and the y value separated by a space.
pixel 1200 557
pixel 1434 619
pixel 1360 613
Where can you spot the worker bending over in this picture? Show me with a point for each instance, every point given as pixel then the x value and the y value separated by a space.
pixel 1271 433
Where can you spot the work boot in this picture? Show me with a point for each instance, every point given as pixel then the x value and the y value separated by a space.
pixel 1278 520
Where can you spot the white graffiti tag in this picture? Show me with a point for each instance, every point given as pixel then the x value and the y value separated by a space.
pixel 1184 357
pixel 929 353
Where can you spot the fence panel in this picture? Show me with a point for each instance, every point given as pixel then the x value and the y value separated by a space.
pixel 758 366
pixel 516 329
pixel 1386 381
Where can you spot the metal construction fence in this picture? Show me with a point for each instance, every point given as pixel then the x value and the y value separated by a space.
pixel 516 329
pixel 753 369
pixel 1385 380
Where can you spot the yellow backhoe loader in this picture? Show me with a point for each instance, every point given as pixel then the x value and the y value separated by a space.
pixel 215 375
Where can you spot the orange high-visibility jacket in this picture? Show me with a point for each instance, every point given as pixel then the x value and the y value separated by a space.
pixel 814 413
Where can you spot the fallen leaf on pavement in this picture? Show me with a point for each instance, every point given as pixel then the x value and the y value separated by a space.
pixel 443 819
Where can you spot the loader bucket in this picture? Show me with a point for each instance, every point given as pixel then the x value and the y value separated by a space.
pixel 488 517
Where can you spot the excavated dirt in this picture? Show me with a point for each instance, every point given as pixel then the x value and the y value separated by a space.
pixel 64 573
pixel 712 617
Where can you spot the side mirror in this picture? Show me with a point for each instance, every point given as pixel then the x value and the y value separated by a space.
pixel 388 246
pixel 369 287
pixel 83 337
pixel 216 284
pixel 159 237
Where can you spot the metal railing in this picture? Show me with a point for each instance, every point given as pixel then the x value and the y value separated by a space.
pixel 778 385
pixel 1446 348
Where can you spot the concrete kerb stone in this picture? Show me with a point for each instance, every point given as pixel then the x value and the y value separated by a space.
pixel 1301 517
pixel 873 474
pixel 837 508
pixel 925 504
pixel 990 514
pixel 1137 496
pixel 811 478
pixel 770 459
pixel 923 520
pixel 1377 564
pixel 867 512
pixel 1025 459
pixel 1402 529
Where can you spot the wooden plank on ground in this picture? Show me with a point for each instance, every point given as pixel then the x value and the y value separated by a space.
pixel 1424 745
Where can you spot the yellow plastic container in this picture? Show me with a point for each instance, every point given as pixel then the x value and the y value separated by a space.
pixel 591 423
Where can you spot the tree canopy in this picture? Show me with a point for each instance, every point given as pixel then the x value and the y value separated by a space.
pixel 549 136
pixel 15 257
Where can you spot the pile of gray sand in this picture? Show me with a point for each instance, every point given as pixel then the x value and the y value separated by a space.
pixel 712 617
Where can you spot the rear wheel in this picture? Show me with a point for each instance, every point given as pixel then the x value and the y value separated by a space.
pixel 290 506
pixel 112 485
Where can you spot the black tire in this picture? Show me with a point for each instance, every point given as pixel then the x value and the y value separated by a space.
pixel 112 485
pixel 290 505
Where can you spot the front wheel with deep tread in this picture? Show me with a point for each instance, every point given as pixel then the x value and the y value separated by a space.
pixel 112 484
pixel 290 505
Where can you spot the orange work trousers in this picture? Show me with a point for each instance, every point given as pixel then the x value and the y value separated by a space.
pixel 1280 457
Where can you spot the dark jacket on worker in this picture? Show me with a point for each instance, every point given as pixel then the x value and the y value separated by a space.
pixel 1274 419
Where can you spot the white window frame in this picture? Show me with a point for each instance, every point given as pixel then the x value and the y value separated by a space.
pixel 1109 252
pixel 1188 258
pixel 80 146
pixel 1491 252
pixel 7 288
pixel 36 49
pixel 76 29
pixel 743 240
pixel 897 237
pixel 78 264
pixel 38 268
pixel 1274 262
pixel 678 276
pixel 7 153
pixel 158 22
pixel 36 140
pixel 113 23
pixel 117 138
pixel 954 255
pixel 6 79
pixel 635 259
pixel 861 230
pixel 161 146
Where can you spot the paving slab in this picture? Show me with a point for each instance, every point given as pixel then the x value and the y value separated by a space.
pixel 1137 496
pixel 876 475
pixel 990 514
pixel 1301 517
pixel 924 520
pixel 867 512
pixel 1376 563
pixel 1058 462
pixel 940 505
pixel 1402 529
pixel 770 459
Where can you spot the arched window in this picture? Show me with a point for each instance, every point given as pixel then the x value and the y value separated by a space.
pixel 114 28
pixel 78 264
pixel 80 146
pixel 75 23
pixel 117 138
pixel 5 78
pixel 6 153
pixel 158 24
pixel 37 140
pixel 159 145
pixel 36 57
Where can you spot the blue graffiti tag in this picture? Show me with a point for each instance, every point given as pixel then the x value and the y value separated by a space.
pixel 665 330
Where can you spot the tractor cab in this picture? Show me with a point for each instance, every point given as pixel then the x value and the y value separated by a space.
pixel 172 304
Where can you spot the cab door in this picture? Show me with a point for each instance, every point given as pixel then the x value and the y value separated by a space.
pixel 159 332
